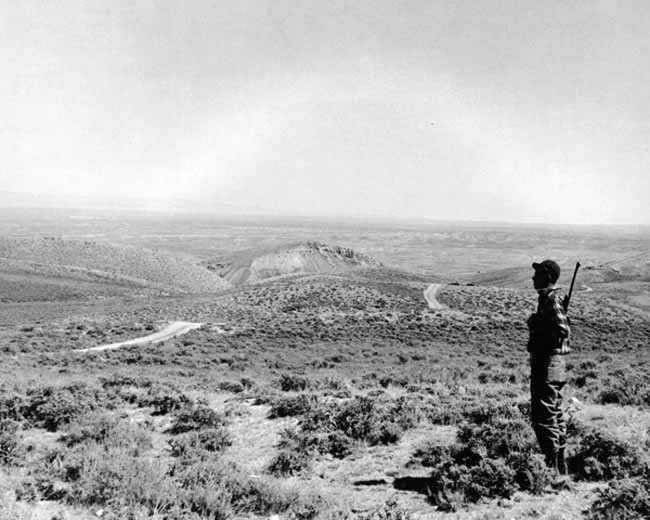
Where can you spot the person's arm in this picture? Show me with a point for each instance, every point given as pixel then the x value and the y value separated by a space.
pixel 560 320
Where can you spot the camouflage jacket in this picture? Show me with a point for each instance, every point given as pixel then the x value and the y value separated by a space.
pixel 549 327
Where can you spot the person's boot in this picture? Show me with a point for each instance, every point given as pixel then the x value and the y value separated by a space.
pixel 550 457
pixel 561 462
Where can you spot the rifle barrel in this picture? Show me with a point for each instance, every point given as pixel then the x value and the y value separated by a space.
pixel 573 280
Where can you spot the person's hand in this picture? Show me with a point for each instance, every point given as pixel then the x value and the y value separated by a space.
pixel 565 302
pixel 532 321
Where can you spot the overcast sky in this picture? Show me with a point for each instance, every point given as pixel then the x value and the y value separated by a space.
pixel 504 110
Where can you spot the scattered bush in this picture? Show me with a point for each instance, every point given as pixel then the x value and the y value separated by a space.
pixel 51 407
pixel 287 462
pixel 107 464
pixel 10 452
pixel 214 489
pixel 360 418
pixel 600 456
pixel 163 399
pixel 196 418
pixel 12 405
pixel 493 458
pixel 627 499
pixel 388 511
pixel 626 389
pixel 196 444
pixel 234 387
pixel 293 383
pixel 292 406
pixel 104 428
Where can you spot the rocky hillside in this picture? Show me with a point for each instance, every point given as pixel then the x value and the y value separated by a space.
pixel 99 262
pixel 302 258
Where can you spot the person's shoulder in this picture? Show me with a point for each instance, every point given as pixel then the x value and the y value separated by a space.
pixel 554 298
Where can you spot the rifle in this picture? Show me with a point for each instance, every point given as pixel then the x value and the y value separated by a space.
pixel 567 298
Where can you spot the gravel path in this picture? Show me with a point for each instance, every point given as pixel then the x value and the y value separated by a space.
pixel 175 328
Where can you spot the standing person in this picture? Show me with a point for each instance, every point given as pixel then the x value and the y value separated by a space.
pixel 548 343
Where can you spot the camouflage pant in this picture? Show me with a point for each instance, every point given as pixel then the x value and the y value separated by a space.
pixel 547 378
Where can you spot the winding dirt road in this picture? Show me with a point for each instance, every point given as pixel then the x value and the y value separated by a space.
pixel 174 329
pixel 430 297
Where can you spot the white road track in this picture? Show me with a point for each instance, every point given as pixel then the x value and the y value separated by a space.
pixel 174 329
pixel 430 297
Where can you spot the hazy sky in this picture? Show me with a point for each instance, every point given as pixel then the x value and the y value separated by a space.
pixel 489 110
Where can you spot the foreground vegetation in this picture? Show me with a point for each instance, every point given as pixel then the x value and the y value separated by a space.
pixel 324 396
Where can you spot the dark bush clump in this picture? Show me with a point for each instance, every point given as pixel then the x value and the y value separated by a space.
pixel 196 418
pixel 234 387
pixel 214 489
pixel 626 389
pixel 292 406
pixel 361 418
pixel 110 465
pixel 12 405
pixel 163 399
pixel 296 452
pixel 493 458
pixel 199 444
pixel 104 427
pixel 600 456
pixel 627 499
pixel 293 383
pixel 51 407
pixel 288 462
pixel 298 448
pixel 10 451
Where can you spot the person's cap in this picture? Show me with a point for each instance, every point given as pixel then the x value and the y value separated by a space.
pixel 550 267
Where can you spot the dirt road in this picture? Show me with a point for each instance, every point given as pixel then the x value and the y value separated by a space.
pixel 430 297
pixel 175 328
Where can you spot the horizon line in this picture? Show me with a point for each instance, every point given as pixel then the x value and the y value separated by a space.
pixel 374 218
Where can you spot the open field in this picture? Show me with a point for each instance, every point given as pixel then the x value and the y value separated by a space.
pixel 337 394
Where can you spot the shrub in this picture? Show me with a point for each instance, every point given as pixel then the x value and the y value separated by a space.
pixel 363 418
pixel 214 489
pixel 102 427
pixel 531 472
pixel 231 386
pixel 626 389
pixel 627 499
pixel 118 476
pixel 196 444
pixel 12 405
pixel 286 462
pixel 600 456
pixel 10 452
pixel 51 407
pixel 293 383
pixel 493 458
pixel 490 478
pixel 388 511
pixel 292 406
pixel 196 418
pixel 336 444
pixel 101 468
pixel 406 412
pixel 164 399
pixel 296 452
pixel 116 470
pixel 121 380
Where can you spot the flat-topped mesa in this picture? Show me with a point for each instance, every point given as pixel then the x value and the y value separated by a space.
pixel 292 259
